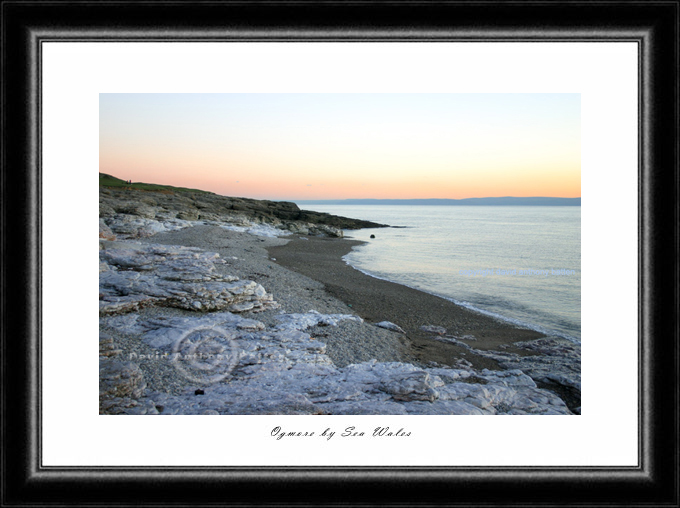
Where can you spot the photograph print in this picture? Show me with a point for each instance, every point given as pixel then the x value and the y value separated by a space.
pixel 339 254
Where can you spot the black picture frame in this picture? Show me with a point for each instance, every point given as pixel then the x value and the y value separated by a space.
pixel 653 25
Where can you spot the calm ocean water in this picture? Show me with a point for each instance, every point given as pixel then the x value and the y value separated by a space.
pixel 519 263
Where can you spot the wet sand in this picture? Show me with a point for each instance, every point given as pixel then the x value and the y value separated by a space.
pixel 377 300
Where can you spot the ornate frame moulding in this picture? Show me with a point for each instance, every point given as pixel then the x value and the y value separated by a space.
pixel 28 25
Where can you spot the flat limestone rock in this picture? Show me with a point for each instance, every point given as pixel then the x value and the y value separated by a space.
pixel 134 275
pixel 312 318
pixel 414 386
pixel 387 325
pixel 283 370
pixel 127 406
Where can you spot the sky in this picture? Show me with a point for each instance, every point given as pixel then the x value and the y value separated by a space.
pixel 346 146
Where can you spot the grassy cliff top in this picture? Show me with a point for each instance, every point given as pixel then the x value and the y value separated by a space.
pixel 111 181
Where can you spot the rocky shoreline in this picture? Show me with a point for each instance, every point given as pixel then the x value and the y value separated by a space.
pixel 205 206
pixel 197 318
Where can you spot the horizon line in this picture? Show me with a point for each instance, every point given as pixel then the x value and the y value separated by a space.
pixel 432 199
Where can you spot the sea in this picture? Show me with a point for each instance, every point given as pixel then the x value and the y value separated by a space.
pixel 520 264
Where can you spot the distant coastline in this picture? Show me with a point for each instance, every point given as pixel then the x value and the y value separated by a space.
pixel 500 201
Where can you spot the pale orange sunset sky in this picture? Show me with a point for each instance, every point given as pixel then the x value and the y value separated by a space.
pixel 341 146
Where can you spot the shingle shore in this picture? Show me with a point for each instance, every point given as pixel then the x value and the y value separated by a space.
pixel 377 300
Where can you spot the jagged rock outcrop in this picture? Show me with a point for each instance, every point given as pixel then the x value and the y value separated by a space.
pixel 555 363
pixel 206 206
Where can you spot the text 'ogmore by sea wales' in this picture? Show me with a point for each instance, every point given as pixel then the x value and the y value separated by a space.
pixel 352 432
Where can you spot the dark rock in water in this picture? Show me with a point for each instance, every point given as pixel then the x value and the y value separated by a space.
pixel 372 236
pixel 199 392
